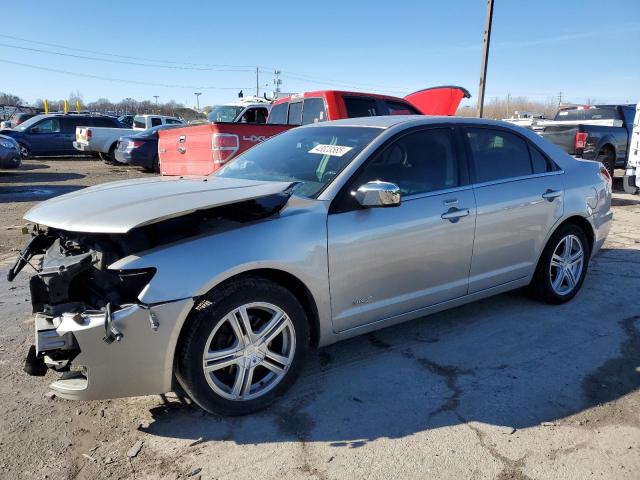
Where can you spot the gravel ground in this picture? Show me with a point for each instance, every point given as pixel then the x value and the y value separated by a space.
pixel 503 388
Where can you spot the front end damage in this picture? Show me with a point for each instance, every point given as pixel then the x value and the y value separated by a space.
pixel 90 324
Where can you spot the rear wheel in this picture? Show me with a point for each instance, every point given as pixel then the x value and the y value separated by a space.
pixel 562 266
pixel 155 166
pixel 244 346
pixel 608 158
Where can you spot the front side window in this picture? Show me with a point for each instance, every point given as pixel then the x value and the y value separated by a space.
pixel 295 113
pixel 313 111
pixel 498 155
pixel 361 107
pixel 224 113
pixel 50 125
pixel 172 121
pixel 311 156
pixel 420 162
pixel 278 114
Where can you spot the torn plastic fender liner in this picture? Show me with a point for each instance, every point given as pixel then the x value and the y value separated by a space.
pixel 38 244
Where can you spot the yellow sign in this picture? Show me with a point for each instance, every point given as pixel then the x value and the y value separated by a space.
pixel 78 106
pixel 66 106
pixel 46 107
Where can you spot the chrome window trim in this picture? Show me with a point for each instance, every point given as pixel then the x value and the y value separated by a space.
pixel 433 193
pixel 516 179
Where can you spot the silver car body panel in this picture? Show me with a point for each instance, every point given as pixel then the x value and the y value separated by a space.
pixel 118 207
pixel 363 269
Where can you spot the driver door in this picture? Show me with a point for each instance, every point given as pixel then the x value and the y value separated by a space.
pixel 387 261
pixel 45 137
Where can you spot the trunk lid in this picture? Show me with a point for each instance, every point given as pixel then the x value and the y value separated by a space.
pixel 438 100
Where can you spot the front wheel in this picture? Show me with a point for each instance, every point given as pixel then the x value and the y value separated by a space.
pixel 562 266
pixel 244 346
pixel 25 153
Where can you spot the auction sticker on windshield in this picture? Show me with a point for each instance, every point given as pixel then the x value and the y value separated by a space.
pixel 333 150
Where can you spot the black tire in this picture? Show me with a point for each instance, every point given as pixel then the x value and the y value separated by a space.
pixel 155 166
pixel 541 287
pixel 105 158
pixel 608 158
pixel 25 152
pixel 210 311
pixel 15 162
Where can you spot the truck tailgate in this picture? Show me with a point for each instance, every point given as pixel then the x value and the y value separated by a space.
pixel 564 136
pixel 202 149
pixel 81 135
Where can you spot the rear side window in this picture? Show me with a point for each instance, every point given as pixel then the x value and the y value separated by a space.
pixel 361 107
pixel 155 121
pixel 498 155
pixel 400 108
pixel 295 113
pixel 313 111
pixel 278 114
pixel 103 122
pixel 139 122
pixel 70 123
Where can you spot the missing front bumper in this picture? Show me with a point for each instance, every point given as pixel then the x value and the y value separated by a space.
pixel 141 363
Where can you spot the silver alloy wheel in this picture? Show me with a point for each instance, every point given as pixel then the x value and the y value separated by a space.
pixel 567 263
pixel 249 352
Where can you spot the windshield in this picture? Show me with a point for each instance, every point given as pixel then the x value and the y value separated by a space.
pixel 313 156
pixel 28 123
pixel 224 113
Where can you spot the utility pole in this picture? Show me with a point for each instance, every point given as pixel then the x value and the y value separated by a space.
pixel 197 94
pixel 156 97
pixel 559 98
pixel 485 57
pixel 508 104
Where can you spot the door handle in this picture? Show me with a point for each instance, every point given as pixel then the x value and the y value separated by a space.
pixel 551 194
pixel 455 214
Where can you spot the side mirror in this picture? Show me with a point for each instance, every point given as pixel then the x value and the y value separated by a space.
pixel 378 194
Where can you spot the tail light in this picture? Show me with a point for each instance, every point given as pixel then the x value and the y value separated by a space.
pixel 89 134
pixel 581 140
pixel 224 146
pixel 605 175
pixel 134 144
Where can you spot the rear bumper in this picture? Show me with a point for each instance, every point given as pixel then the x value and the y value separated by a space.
pixel 629 182
pixel 141 363
pixel 80 146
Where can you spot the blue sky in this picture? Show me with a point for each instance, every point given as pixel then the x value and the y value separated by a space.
pixel 585 49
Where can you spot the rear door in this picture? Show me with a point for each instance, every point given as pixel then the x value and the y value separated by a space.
pixel 519 197
pixel 389 261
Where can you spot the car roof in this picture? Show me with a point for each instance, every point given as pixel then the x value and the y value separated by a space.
pixel 388 121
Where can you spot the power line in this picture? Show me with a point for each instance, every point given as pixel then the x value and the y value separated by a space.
pixel 125 62
pixel 119 80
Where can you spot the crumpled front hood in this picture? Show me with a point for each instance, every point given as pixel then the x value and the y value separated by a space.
pixel 118 207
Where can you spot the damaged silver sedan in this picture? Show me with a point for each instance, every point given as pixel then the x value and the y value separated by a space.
pixel 219 286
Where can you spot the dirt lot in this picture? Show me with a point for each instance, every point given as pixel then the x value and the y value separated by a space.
pixel 503 388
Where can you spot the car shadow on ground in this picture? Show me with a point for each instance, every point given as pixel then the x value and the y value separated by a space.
pixel 504 361
pixel 28 177
pixel 31 193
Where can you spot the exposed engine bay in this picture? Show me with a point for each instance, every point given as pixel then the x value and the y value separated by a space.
pixel 72 275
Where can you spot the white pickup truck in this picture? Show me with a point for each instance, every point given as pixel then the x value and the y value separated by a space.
pixel 105 140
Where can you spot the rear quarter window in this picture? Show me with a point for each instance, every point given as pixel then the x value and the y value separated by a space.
pixel 295 113
pixel 313 111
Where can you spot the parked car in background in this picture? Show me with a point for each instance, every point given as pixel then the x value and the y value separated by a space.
pixel 202 149
pixel 53 134
pixel 9 153
pixel 327 231
pixel 16 119
pixel 104 141
pixel 592 132
pixel 141 149
pixel 630 180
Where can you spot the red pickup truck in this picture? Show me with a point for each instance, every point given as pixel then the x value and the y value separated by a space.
pixel 202 149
